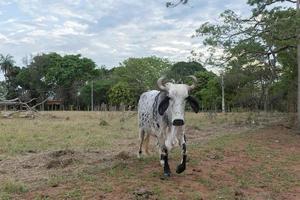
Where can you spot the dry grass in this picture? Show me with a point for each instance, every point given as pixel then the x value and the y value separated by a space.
pixel 90 131
pixel 65 130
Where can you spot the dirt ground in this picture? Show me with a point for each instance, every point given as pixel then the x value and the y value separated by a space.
pixel 249 157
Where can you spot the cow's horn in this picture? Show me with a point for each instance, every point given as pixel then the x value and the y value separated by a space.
pixel 161 85
pixel 191 87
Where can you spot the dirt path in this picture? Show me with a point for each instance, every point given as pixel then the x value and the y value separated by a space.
pixel 263 164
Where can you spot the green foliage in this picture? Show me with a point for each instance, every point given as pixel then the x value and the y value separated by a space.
pixel 100 91
pixel 121 93
pixel 211 94
pixel 208 90
pixel 140 74
pixel 241 86
pixel 6 64
pixel 203 77
pixel 69 78
pixel 33 78
pixel 3 90
pixel 180 70
pixel 69 73
pixel 53 74
pixel 64 71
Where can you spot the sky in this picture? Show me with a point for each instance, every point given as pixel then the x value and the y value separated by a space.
pixel 107 31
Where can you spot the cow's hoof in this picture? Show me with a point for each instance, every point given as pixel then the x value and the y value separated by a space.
pixel 167 174
pixel 180 168
pixel 139 156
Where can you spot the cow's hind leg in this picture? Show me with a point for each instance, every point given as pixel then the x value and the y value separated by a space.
pixel 141 136
pixel 181 167
pixel 146 143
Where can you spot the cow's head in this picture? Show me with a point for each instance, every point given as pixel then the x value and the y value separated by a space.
pixel 177 96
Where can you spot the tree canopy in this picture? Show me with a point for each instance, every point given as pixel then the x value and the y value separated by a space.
pixel 258 52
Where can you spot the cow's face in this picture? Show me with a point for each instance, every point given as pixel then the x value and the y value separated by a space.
pixel 177 96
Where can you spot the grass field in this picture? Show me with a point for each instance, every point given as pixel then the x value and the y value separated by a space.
pixel 92 155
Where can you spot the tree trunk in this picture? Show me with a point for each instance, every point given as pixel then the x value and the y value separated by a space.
pixel 298 60
pixel 223 98
pixel 266 99
pixel 92 96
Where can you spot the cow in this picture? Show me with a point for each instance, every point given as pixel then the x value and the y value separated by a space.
pixel 161 114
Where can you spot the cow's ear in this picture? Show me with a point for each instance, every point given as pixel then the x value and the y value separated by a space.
pixel 194 103
pixel 163 106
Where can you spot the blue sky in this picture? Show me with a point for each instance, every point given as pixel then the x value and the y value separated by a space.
pixel 106 31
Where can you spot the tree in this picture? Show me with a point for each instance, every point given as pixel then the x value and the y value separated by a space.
pixel 203 78
pixel 6 64
pixel 100 89
pixel 211 95
pixel 121 93
pixel 12 82
pixel 32 78
pixel 3 90
pixel 208 90
pixel 55 75
pixel 140 74
pixel 254 43
pixel 180 70
pixel 65 75
pixel 298 61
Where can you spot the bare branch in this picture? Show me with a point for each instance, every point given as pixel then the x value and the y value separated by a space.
pixel 33 107
pixel 173 5
pixel 17 102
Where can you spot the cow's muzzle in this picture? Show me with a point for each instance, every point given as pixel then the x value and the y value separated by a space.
pixel 178 122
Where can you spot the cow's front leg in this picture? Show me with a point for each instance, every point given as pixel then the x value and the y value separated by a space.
pixel 181 167
pixel 164 160
pixel 163 154
pixel 163 150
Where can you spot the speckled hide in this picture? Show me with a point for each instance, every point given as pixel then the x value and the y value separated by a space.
pixel 150 120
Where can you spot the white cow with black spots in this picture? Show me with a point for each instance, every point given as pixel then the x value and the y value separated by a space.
pixel 161 114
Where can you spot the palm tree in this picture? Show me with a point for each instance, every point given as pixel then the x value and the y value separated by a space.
pixel 6 63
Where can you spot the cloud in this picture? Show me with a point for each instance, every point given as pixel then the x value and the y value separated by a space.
pixel 5 3
pixel 3 38
pixel 166 49
pixel 45 19
pixel 69 28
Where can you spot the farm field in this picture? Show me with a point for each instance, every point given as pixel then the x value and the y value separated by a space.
pixel 92 155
